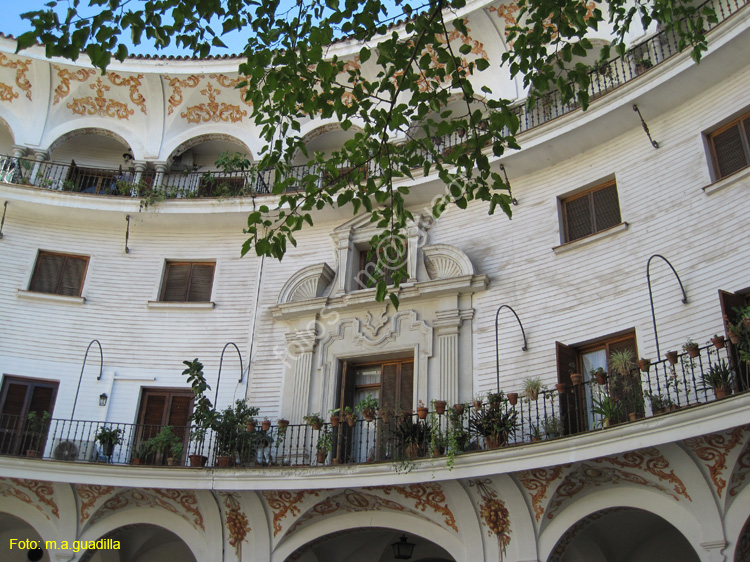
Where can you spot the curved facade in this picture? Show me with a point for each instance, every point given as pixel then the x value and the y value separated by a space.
pixel 121 244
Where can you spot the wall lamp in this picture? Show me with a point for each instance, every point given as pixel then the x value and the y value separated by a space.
pixel 103 399
pixel 403 549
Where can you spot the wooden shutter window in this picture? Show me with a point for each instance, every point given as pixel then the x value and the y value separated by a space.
pixel 591 211
pixel 188 282
pixel 731 147
pixel 59 274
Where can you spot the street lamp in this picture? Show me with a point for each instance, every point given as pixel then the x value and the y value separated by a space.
pixel 402 550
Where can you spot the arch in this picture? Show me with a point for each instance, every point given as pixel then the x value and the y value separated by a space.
pixel 14 527
pixel 154 542
pixel 444 261
pixel 678 515
pixel 194 140
pixel 87 131
pixel 313 137
pixel 14 125
pixel 308 283
pixel 25 524
pixel 373 520
pixel 737 524
pixel 4 124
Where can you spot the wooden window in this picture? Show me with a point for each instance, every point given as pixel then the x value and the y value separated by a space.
pixel 576 403
pixel 59 274
pixel 164 406
pixel 188 282
pixel 592 211
pixel 19 397
pixel 730 147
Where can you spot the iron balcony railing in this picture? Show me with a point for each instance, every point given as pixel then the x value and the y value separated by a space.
pixel 130 183
pixel 664 388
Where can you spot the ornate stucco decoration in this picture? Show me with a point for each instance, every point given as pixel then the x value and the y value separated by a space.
pixel 100 105
pixel 714 450
pixel 492 512
pixel 285 502
pixel 235 521
pixel 21 66
pixel 443 261
pixel 177 84
pixel 308 283
pixel 213 111
pixel 538 482
pixel 88 496
pixel 65 76
pixel 22 489
pixel 182 503
pixel 430 495
pixel 133 83
pixel 232 83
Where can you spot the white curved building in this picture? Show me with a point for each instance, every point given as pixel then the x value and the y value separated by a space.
pixel 120 244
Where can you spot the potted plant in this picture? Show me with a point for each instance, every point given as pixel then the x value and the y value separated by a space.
pixel 495 425
pixel 196 458
pixel 439 406
pixel 422 411
pixel 204 414
pixel 313 420
pixel 608 409
pixel 108 437
pixel 621 362
pixel 536 433
pixel 324 445
pixel 36 428
pixel 334 416
pixel 532 386
pixel 644 365
pixel 349 416
pixel 671 357
pixel 283 423
pixel 265 425
pixel 478 401
pixel 575 377
pixel 718 341
pixel 691 348
pixel 437 442
pixel 459 409
pixel 719 378
pixel 367 407
pixel 229 430
pixel 561 387
pixel 598 374
pixel 659 404
pixel 495 398
pixel 166 445
pixel 513 398
pixel 139 453
pixel 553 427
pixel 456 436
pixel 642 65
pixel 412 437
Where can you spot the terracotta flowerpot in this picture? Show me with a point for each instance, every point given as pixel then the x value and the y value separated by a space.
pixel 632 416
pixel 644 365
pixel 351 420
pixel 322 457
pixel 422 413
pixel 335 421
pixel 224 461
pixel 136 461
pixel 672 357
pixel 265 425
pixel 718 342
pixel 282 423
pixel 250 426
pixel 459 409
pixel 317 425
pixel 601 378
pixel 335 460
pixel 734 337
pixel 172 461
pixel 576 379
pixel 693 350
pixel 440 406
pixel 369 414
pixel 33 453
pixel 495 440
pixel 196 460
pixel 720 393
pixel 533 395
pixel 477 405
pixel 513 398
pixel 561 387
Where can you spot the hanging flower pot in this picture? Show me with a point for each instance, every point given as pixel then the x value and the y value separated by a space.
pixel 335 421
pixel 513 398
pixel 692 350
pixel 576 379
pixel 459 409
pixel 250 426
pixel 440 406
pixel 369 414
pixel 351 420
pixel 422 412
pixel 672 357
pixel 561 387
pixel 644 365
pixel 601 377
pixel 282 423
pixel 477 405
pixel 718 341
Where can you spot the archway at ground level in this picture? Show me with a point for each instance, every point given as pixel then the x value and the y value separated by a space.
pixel 372 544
pixel 621 534
pixel 742 550
pixel 141 543
pixel 12 527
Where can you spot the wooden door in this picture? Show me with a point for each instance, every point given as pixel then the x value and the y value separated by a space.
pixel 19 397
pixel 161 407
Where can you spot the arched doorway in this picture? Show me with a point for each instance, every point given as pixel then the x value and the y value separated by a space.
pixel 142 543
pixel 371 544
pixel 621 534
pixel 742 551
pixel 12 527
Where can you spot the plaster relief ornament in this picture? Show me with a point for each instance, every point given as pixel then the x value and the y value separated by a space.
pixel 493 513
pixel 236 522
pixel 376 321
pixel 714 450
pixel 21 66
pixel 100 105
pixel 66 76
pixel 20 488
pixel 213 111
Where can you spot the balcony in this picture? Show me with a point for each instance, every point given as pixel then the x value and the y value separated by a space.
pixel 669 386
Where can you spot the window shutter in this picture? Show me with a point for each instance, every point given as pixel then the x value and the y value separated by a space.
pixel 175 287
pixel 606 207
pixel 72 276
pixel 578 218
pixel 406 387
pixel 730 301
pixel 47 273
pixel 389 387
pixel 201 281
pixel 730 153
pixel 570 403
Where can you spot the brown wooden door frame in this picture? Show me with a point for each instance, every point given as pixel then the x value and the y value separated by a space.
pixel 12 435
pixel 145 431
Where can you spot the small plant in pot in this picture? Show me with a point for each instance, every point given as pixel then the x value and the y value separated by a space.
pixel 456 436
pixel 553 427
pixel 324 445
pixel 412 437
pixel 439 406
pixel 422 411
pixel 108 437
pixel 314 421
pixel 607 409
pixel 600 375
pixel 478 401
pixel 139 453
pixel 166 446
pixel 495 425
pixel 532 386
pixel 644 364
pixel 36 428
pixel 334 416
pixel 495 399
pixel 659 403
pixel 350 416
pixel 367 407
pixel 691 348
pixel 719 378
pixel 575 377
pixel 718 341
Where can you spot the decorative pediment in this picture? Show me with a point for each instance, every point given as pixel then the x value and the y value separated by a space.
pixel 308 283
pixel 444 261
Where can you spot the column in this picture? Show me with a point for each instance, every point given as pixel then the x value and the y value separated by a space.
pixel 301 344
pixel 40 156
pixel 161 170
pixel 140 167
pixel 446 328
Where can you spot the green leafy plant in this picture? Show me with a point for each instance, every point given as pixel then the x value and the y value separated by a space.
pixel 494 423
pixel 165 443
pixel 621 361
pixel 313 419
pixel 607 409
pixel 36 427
pixel 553 427
pixel 324 443
pixel 532 386
pixel 367 406
pixel 719 376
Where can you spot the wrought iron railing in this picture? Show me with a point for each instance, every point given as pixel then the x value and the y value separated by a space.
pixel 157 185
